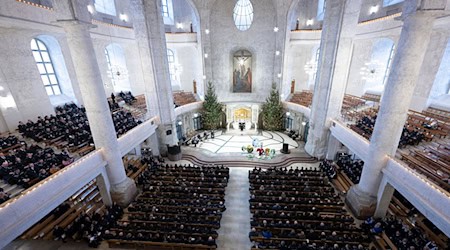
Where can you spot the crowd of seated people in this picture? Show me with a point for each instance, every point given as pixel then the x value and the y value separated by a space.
pixel 178 204
pixel 123 122
pixel 352 168
pixel 10 141
pixel 92 228
pixel 329 169
pixel 196 139
pixel 366 125
pixel 293 134
pixel 298 209
pixel 127 97
pixel 402 235
pixel 28 165
pixel 71 125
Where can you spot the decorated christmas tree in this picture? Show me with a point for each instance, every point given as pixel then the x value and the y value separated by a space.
pixel 212 109
pixel 272 111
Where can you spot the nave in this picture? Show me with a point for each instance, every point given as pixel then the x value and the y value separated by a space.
pixel 215 207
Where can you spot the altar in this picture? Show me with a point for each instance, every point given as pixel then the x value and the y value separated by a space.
pixel 242 118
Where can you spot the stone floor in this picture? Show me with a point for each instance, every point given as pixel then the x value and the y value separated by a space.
pixel 231 141
pixel 235 223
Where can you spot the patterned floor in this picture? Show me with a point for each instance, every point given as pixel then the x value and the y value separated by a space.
pixel 232 142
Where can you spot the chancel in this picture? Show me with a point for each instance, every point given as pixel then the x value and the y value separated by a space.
pixel 212 124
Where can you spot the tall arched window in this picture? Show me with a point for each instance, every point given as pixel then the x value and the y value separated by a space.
pixel 45 66
pixel 171 60
pixel 388 66
pixel 105 6
pixel 167 12
pixel 390 2
pixel 320 9
pixel 243 14
pixel 165 8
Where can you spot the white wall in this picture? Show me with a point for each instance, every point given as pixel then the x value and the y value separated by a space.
pixel 23 94
pixel 227 39
pixel 187 56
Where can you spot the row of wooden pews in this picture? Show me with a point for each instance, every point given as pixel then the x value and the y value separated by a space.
pixel 433 161
pixel 351 102
pixel 182 98
pixel 297 209
pixel 180 207
pixel 303 98
pixel 87 200
pixel 371 97
pixel 399 209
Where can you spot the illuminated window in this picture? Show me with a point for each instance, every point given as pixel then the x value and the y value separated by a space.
pixel 391 2
pixel 321 9
pixel 388 65
pixel 45 66
pixel 243 14
pixel 105 6
pixel 165 8
pixel 171 60
pixel 167 12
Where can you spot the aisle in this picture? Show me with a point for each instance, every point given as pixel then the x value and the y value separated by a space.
pixel 235 223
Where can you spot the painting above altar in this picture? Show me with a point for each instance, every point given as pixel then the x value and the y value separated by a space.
pixel 242 72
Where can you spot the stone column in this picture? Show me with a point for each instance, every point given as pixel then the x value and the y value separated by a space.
pixel 339 25
pixel 411 49
pixel 141 37
pixel 385 193
pixel 76 26
pixel 334 145
pixel 429 69
pixel 149 20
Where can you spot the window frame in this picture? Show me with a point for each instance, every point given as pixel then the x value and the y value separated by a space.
pixel 107 10
pixel 321 9
pixel 167 12
pixel 243 13
pixel 387 3
pixel 388 65
pixel 171 61
pixel 46 66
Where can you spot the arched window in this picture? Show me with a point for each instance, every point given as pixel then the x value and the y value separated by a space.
pixel 391 2
pixel 165 8
pixel 105 6
pixel 320 9
pixel 243 14
pixel 45 66
pixel 388 65
pixel 171 60
pixel 316 62
pixel 167 12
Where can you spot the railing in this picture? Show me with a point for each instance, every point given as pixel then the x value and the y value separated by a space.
pixel 432 201
pixel 297 108
pixel 23 211
pixel 352 140
pixel 381 19
pixel 137 135
pixel 188 108
pixel 35 4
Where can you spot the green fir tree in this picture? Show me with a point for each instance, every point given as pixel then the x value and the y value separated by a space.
pixel 272 111
pixel 212 109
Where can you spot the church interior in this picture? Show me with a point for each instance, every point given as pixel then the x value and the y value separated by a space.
pixel 229 125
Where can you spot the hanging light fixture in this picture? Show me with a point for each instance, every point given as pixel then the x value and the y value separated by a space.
pixel 310 67
pixel 372 71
